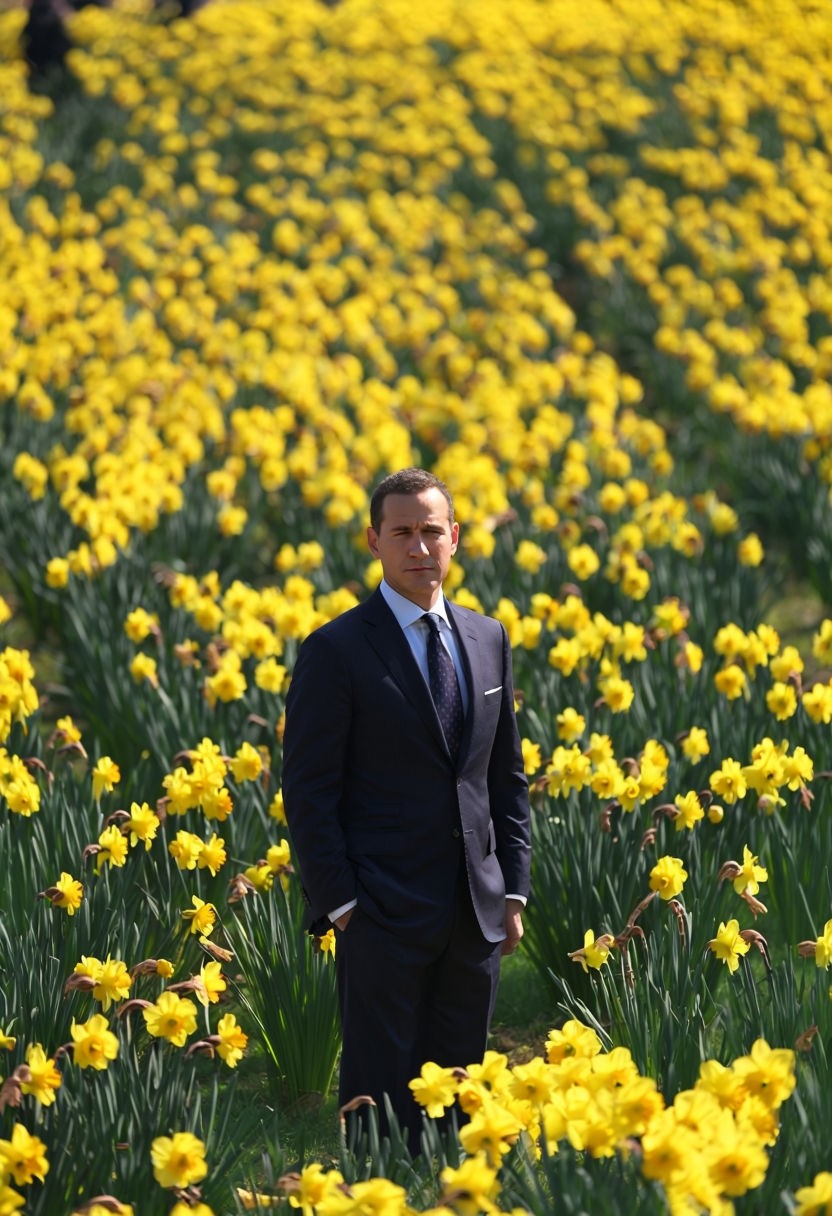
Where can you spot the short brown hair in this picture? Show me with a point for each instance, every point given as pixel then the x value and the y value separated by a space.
pixel 406 481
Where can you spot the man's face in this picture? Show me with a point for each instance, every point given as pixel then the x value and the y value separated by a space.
pixel 415 543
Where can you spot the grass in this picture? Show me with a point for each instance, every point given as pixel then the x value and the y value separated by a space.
pixel 524 1013
pixel 796 613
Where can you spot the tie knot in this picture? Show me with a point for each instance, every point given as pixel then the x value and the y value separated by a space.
pixel 433 622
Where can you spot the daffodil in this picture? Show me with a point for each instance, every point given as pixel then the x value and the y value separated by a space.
pixel 172 1017
pixel 210 983
pixel 820 948
pixel 750 874
pixel 186 848
pixel 212 854
pixel 201 917
pixel 434 1089
pixel 815 1199
pixel 178 1160
pixel 247 763
pixel 139 624
pixel 94 1044
pixel 377 1195
pixel 67 893
pixel 105 776
pixel 570 725
pixel 690 810
pixel 492 1130
pixel 572 1040
pixel 695 744
pixel 768 1072
pixel 232 1040
pixel 470 1188
pixel 112 982
pixel 23 1157
pixel 326 944
pixel 112 848
pixel 142 825
pixel 594 952
pixel 307 1188
pixel 667 877
pixel 728 945
pixel 44 1077
pixel 728 782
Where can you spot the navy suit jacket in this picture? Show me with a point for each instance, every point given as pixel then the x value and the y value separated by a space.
pixel 377 809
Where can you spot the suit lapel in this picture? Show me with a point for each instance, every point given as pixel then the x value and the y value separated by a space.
pixel 469 652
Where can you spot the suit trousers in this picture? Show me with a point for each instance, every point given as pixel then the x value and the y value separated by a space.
pixel 407 1001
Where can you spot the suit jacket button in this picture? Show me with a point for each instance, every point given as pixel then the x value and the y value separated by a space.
pixel 456 833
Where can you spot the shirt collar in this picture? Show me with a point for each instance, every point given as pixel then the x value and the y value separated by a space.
pixel 405 611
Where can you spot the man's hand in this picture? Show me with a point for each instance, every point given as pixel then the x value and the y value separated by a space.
pixel 514 925
pixel 343 920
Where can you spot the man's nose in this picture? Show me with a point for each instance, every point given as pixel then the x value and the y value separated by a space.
pixel 419 545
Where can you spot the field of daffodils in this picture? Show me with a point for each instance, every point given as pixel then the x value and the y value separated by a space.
pixel 575 256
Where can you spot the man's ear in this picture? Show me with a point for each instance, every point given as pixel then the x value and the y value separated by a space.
pixel 372 541
pixel 454 537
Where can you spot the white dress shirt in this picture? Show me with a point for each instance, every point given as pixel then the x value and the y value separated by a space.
pixel 411 619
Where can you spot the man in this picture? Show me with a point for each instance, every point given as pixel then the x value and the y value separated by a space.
pixel 412 837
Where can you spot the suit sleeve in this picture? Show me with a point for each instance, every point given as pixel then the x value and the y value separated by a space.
pixel 315 741
pixel 508 789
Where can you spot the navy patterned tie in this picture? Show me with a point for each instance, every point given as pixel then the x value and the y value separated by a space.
pixel 444 686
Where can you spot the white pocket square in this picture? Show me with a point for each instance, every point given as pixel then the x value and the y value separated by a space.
pixel 488 692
